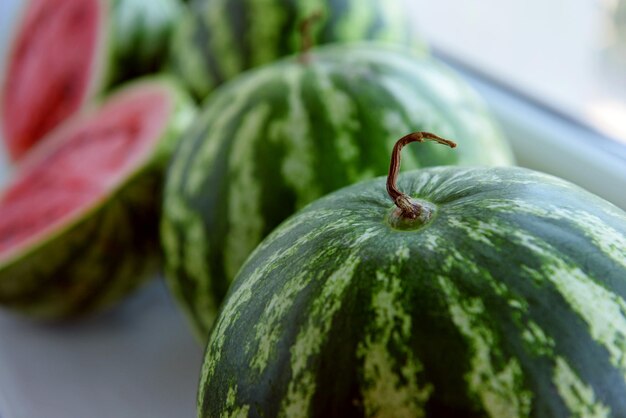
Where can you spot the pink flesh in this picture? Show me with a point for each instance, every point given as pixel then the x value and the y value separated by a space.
pixel 50 68
pixel 79 166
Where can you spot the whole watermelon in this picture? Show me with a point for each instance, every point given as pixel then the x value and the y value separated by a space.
pixel 79 218
pixel 140 34
pixel 65 52
pixel 219 39
pixel 281 136
pixel 508 301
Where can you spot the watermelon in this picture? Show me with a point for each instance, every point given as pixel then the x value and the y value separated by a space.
pixel 66 51
pixel 505 298
pixel 79 217
pixel 277 138
pixel 217 39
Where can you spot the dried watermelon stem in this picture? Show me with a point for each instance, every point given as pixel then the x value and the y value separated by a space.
pixel 409 209
pixel 306 37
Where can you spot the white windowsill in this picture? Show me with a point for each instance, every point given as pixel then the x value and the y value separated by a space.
pixel 548 142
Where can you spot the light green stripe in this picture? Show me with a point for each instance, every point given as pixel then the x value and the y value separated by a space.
pixel 607 320
pixel 312 336
pixel 196 247
pixel 193 246
pixel 229 106
pixel 204 152
pixel 579 398
pixel 222 41
pixel 268 329
pixel 245 217
pixel 327 216
pixel 244 293
pixel 537 341
pixel 470 178
pixel 231 409
pixel 391 12
pixel 356 21
pixel 499 391
pixel 610 241
pixel 341 112
pixel 298 162
pixel 264 34
pixel 189 58
pixel 183 156
pixel 310 7
pixel 387 393
pixel 477 230
pixel 170 240
pixel 603 311
pixel 483 233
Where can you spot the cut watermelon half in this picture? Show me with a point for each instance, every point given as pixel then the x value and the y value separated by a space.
pixel 66 51
pixel 52 69
pixel 79 218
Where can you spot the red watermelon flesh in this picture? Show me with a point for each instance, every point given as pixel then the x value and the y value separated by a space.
pixel 79 165
pixel 52 69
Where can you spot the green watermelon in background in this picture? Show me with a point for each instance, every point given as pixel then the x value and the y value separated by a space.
pixel 278 137
pixel 79 217
pixel 504 297
pixel 66 51
pixel 219 39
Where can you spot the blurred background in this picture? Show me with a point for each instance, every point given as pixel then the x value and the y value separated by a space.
pixel 8 12
pixel 553 72
pixel 569 55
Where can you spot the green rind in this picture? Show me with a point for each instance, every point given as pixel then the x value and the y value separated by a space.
pixel 281 136
pixel 100 257
pixel 511 302
pixel 218 39
pixel 138 36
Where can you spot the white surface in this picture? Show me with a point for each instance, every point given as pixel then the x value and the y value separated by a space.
pixel 137 360
pixel 547 142
pixel 564 52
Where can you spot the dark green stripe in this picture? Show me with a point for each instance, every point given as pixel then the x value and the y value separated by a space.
pixel 355 75
pixel 435 339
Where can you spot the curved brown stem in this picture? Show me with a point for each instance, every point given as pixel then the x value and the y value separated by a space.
pixel 306 38
pixel 407 208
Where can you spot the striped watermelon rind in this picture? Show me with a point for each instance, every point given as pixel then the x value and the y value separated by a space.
pixel 510 302
pixel 110 249
pixel 217 40
pixel 139 33
pixel 280 136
